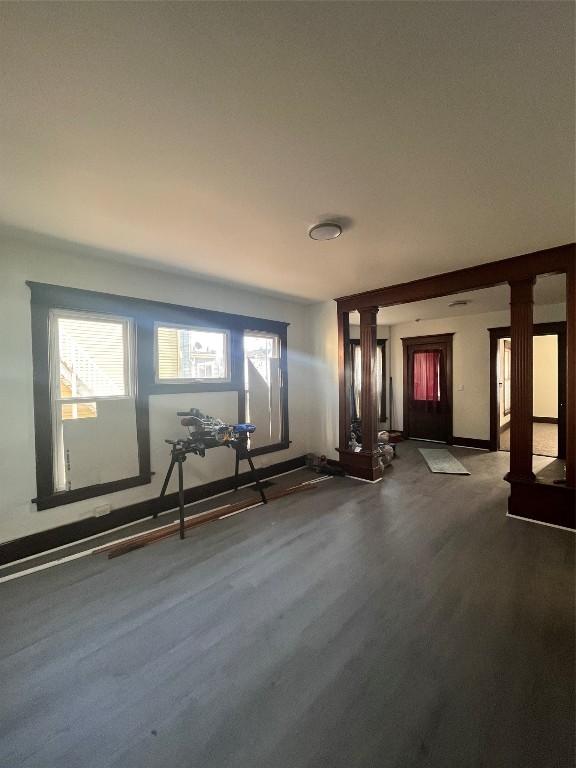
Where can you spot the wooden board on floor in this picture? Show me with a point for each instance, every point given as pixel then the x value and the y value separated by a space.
pixel 143 539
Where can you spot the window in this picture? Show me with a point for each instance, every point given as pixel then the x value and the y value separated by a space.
pixel 99 357
pixel 191 354
pixel 92 398
pixel 426 379
pixel 263 387
pixel 356 356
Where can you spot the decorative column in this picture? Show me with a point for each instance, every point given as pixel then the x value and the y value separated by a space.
pixel 521 384
pixel 364 463
pixel 368 344
pixel 344 379
pixel 571 375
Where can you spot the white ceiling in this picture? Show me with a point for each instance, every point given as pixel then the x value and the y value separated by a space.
pixel 549 289
pixel 211 136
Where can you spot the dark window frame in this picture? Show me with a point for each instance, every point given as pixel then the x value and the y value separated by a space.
pixel 190 380
pixel 144 314
pixel 382 410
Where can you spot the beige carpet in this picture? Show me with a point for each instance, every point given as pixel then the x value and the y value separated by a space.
pixel 545 439
pixel 549 471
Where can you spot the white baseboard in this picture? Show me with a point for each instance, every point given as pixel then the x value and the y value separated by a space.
pixel 540 522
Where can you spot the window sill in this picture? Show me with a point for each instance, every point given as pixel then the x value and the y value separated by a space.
pixel 89 492
pixel 261 450
pixel 183 387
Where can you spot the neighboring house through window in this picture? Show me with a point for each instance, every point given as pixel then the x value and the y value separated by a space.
pixel 92 395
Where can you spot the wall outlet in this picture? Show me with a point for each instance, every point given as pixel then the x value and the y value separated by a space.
pixel 460 388
pixel 102 509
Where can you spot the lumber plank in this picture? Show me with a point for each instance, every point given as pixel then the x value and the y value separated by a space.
pixel 143 539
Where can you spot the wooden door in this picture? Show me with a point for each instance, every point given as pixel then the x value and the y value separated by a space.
pixel 428 387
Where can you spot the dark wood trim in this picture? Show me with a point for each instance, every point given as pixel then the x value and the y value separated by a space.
pixel 37 543
pixel 67 298
pixel 494 415
pixel 60 498
pixel 272 448
pixel 144 315
pixel 561 259
pixel 550 261
pixel 521 380
pixel 285 426
pixel 543 503
pixel 41 389
pixel 539 329
pixel 344 382
pixel 46 497
pixel 144 331
pixel 362 464
pixel 570 400
pixel 414 341
pixel 471 442
pixel 431 338
pixel 368 332
pixel 545 419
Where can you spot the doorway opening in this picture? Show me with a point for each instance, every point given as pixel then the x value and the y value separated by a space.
pixel 549 382
pixel 427 387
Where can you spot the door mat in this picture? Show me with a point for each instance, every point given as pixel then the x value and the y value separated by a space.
pixel 442 461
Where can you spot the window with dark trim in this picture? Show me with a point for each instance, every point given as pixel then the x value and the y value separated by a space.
pixel 263 386
pixel 140 321
pixel 92 398
pixel 356 370
pixel 191 354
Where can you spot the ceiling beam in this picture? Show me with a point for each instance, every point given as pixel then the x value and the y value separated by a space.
pixel 550 261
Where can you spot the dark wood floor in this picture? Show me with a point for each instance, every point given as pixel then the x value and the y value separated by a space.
pixel 408 623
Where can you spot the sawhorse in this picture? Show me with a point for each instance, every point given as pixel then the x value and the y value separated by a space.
pixel 178 456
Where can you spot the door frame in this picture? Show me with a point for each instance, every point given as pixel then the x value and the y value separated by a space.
pixel 414 341
pixel 540 329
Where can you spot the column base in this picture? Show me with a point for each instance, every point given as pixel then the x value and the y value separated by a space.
pixel 363 464
pixel 511 477
pixel 543 503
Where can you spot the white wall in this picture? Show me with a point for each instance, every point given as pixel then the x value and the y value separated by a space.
pixel 546 376
pixel 46 261
pixel 324 379
pixel 471 364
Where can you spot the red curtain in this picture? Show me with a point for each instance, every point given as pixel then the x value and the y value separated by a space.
pixel 426 379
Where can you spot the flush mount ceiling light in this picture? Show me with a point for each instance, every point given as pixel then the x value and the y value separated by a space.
pixel 325 231
pixel 460 303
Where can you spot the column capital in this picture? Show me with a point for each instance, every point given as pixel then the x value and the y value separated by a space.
pixel 368 315
pixel 522 291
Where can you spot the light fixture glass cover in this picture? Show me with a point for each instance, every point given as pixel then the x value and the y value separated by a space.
pixel 325 231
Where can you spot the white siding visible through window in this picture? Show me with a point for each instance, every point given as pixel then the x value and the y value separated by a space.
pixel 93 405
pixel 92 357
pixel 191 354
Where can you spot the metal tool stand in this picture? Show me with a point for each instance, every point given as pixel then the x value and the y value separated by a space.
pixel 178 456
pixel 242 452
